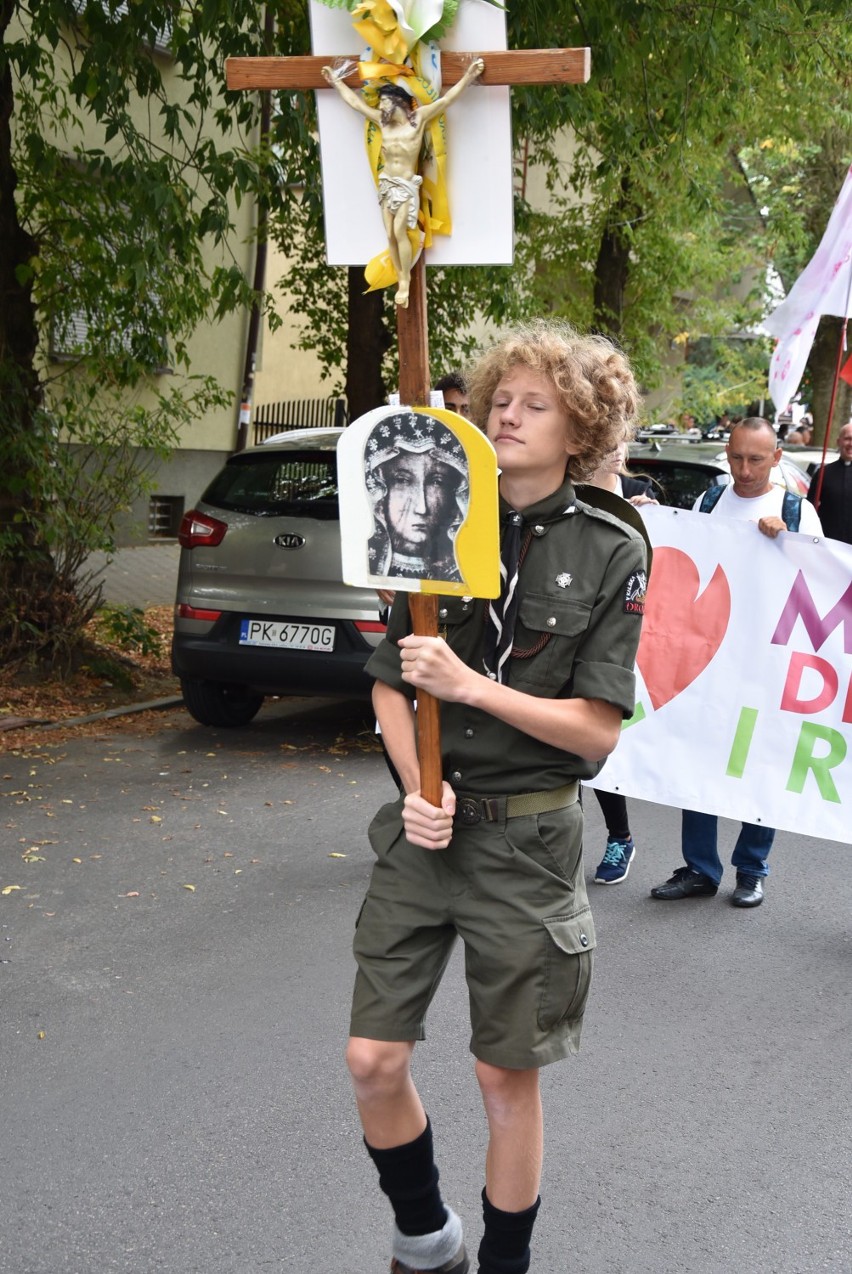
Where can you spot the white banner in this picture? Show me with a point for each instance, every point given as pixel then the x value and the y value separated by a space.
pixel 744 672
pixel 823 287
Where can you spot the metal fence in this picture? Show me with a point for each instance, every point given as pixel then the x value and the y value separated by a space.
pixel 298 413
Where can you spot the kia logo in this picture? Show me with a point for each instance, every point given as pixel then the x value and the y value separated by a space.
pixel 289 540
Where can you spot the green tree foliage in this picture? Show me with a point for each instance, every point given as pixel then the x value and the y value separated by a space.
pixel 654 222
pixel 650 232
pixel 121 160
pixel 120 167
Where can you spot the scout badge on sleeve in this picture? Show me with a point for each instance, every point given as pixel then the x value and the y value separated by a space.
pixel 419 514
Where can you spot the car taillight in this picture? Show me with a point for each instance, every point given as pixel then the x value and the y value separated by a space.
pixel 370 626
pixel 184 611
pixel 199 528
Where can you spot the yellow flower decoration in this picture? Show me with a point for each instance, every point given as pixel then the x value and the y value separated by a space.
pixel 377 25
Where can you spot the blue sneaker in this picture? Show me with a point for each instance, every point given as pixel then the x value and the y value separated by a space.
pixel 615 863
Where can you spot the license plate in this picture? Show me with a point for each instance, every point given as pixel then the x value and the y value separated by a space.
pixel 286 635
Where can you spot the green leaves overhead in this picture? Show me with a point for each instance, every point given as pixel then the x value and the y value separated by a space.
pixel 653 230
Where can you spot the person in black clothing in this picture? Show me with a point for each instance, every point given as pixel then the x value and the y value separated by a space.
pixel 620 847
pixel 835 500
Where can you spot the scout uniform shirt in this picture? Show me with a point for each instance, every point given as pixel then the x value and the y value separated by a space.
pixel 581 593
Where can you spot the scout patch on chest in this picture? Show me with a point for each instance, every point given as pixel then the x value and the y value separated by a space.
pixel 634 593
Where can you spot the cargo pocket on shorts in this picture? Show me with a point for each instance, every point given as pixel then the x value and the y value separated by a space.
pixel 386 828
pixel 568 968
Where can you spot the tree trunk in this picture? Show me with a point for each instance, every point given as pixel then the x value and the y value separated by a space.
pixel 612 268
pixel 367 342
pixel 822 365
pixel 26 568
pixel 18 332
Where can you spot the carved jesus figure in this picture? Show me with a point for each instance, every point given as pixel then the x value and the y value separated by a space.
pixel 402 124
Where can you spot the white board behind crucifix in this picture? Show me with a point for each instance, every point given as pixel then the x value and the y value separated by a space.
pixel 479 153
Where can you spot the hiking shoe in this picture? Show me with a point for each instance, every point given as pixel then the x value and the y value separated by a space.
pixel 458 1264
pixel 615 863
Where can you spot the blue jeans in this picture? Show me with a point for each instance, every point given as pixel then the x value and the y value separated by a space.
pixel 698 845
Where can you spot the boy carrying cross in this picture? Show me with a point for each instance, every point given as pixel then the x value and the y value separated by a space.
pixel 534 688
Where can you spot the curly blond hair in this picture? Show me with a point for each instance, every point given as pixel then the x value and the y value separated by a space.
pixel 594 385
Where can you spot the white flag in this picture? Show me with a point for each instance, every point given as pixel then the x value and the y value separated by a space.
pixel 823 287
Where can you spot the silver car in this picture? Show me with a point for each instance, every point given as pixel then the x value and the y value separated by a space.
pixel 261 608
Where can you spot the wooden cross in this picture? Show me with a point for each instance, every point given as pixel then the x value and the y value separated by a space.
pixel 502 67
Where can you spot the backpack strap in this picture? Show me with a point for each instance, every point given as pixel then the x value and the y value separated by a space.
pixel 622 509
pixel 791 510
pixel 710 498
pixel 791 506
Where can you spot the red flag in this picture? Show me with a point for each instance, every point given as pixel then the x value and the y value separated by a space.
pixel 846 371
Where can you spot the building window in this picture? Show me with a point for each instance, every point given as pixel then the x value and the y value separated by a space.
pixel 70 341
pixel 164 516
pixel 161 43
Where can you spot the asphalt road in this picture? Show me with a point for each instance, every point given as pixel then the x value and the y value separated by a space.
pixel 173 1091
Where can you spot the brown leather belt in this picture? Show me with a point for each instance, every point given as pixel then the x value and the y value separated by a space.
pixel 488 809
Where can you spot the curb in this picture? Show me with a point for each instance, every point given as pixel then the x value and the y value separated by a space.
pixel 153 705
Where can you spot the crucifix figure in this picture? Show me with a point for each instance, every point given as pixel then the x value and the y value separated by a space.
pixel 403 126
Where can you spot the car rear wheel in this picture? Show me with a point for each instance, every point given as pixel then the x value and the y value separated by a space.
pixel 220 703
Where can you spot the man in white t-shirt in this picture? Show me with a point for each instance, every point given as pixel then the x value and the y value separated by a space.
pixel 752 452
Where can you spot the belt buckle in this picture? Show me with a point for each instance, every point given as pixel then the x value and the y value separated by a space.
pixel 468 812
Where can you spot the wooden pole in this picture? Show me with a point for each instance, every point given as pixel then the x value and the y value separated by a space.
pixel 414 385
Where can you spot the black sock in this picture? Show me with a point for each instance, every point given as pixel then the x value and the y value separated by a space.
pixel 505 1246
pixel 409 1178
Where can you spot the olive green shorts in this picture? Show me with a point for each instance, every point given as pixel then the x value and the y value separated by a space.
pixel 513 891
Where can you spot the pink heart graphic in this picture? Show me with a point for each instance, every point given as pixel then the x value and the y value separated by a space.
pixel 681 631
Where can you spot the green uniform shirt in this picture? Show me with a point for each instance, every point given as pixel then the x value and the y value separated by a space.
pixel 581 597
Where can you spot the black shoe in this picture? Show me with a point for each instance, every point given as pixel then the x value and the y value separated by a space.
pixel 686 883
pixel 749 891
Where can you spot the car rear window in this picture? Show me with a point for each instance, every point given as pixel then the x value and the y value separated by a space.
pixel 295 484
pixel 675 482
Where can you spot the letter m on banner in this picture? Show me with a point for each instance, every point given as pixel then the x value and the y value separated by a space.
pixel 800 605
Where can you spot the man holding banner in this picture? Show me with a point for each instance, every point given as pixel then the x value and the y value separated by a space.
pixel 752 452
pixel 533 689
